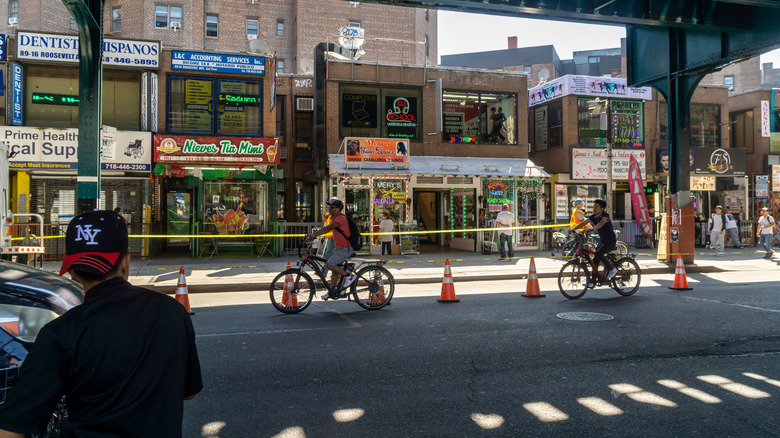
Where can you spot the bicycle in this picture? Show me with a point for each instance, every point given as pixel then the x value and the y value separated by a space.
pixel 571 245
pixel 575 275
pixel 293 289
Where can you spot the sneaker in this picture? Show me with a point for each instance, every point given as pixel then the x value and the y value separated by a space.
pixel 591 285
pixel 611 273
pixel 349 280
pixel 620 283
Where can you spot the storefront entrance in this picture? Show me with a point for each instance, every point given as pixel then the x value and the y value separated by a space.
pixel 429 216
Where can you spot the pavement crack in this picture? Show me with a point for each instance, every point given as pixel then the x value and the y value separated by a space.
pixel 473 374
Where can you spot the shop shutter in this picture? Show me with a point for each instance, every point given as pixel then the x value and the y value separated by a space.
pixel 460 180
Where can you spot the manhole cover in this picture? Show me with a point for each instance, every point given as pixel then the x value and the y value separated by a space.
pixel 585 316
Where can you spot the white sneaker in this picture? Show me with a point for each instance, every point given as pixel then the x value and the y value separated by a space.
pixel 611 273
pixel 591 285
pixel 349 280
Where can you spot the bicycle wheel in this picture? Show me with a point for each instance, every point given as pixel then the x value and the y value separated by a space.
pixel 373 288
pixel 573 280
pixel 621 249
pixel 628 276
pixel 568 249
pixel 289 297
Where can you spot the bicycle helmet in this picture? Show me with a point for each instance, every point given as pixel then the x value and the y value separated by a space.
pixel 335 202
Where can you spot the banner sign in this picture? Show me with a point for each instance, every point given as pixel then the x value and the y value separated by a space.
pixel 377 150
pixel 702 183
pixel 218 63
pixel 18 95
pixel 235 151
pixel 719 161
pixel 638 200
pixel 591 163
pixel 765 125
pixel 56 149
pixel 586 86
pixel 762 186
pixel 36 46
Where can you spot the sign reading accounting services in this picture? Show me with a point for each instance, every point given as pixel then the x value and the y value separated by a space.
pixel 586 86
pixel 377 150
pixel 719 161
pixel 55 149
pixel 219 63
pixel 591 163
pixel 37 46
pixel 401 117
pixel 216 150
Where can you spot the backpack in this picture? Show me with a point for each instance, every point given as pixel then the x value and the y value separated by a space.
pixel 354 234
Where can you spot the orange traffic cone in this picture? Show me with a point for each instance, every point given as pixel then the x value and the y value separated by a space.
pixel 680 281
pixel 532 285
pixel 181 292
pixel 379 296
pixel 289 297
pixel 447 287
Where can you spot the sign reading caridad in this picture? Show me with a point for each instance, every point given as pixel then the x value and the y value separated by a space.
pixel 377 150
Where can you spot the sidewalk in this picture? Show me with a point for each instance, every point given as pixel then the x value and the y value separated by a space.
pixel 254 274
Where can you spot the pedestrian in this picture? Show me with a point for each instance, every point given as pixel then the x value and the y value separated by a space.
pixel 118 210
pixel 386 226
pixel 328 237
pixel 505 219
pixel 766 227
pixel 733 228
pixel 125 359
pixel 718 230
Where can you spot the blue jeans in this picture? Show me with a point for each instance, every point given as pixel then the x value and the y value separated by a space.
pixel 734 236
pixel 765 241
pixel 504 238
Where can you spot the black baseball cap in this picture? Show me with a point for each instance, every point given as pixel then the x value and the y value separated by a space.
pixel 94 242
pixel 335 202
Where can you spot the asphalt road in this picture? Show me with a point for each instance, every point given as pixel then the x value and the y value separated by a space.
pixel 704 362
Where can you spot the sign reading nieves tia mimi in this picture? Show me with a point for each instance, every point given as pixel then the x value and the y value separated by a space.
pixel 216 150
pixel 377 150
pixel 586 86
pixel 65 48
pixel 219 63
pixel 591 163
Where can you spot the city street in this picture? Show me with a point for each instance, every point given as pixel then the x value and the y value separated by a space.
pixel 704 362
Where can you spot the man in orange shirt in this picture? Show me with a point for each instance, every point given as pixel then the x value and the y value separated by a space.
pixel 343 249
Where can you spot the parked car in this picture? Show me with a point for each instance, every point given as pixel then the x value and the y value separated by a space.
pixel 29 298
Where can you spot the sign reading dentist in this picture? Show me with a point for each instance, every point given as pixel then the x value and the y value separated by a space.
pixel 37 46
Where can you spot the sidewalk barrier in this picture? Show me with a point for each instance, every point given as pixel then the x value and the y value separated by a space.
pixel 447 287
pixel 379 296
pixel 680 280
pixel 181 292
pixel 289 298
pixel 532 285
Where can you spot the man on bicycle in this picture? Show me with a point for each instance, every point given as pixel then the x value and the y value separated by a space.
pixel 607 240
pixel 343 249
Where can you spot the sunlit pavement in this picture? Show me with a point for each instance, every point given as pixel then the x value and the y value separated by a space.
pixel 704 362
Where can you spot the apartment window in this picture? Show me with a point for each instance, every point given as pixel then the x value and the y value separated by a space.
pixel 703 122
pixel 212 26
pixel 729 82
pixel 252 27
pixel 167 16
pixel 280 28
pixel 116 20
pixel 73 25
pixel 742 131
pixel 280 66
pixel 281 125
pixel 354 24
pixel 594 59
pixel 239 109
pixel 13 10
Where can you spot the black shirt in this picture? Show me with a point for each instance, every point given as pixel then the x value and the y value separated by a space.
pixel 607 232
pixel 125 359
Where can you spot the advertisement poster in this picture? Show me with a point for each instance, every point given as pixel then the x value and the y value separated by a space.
pixel 216 150
pixel 401 117
pixel 561 202
pixel 591 163
pixel 377 150
pixel 197 100
pixel 702 183
pixel 676 217
pixel 627 123
pixel 586 86
pixel 762 186
pixel 674 235
pixel 776 178
pixel 358 110
pixel 461 122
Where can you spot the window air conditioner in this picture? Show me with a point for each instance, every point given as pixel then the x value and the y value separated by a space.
pixel 175 25
pixel 304 104
pixel 13 21
pixel 252 2
pixel 249 36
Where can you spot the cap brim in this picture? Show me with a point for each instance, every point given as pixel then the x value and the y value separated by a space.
pixel 94 262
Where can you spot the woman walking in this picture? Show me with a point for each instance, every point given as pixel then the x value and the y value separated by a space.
pixel 386 226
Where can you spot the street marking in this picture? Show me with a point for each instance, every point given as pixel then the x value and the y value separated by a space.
pixel 600 406
pixel 690 392
pixel 545 412
pixel 640 395
pixel 736 388
pixel 731 304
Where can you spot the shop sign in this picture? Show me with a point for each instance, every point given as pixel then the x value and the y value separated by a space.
pixel 762 186
pixel 775 178
pixel 765 125
pixel 702 183
pixel 586 86
pixel 358 110
pixel 218 63
pixel 389 191
pixel 561 202
pixel 232 151
pixel 35 46
pixel 56 149
pixel 18 96
pixel 719 161
pixel 377 150
pixel 627 126
pixel 401 117
pixel 107 142
pixel 591 163
pixel 3 55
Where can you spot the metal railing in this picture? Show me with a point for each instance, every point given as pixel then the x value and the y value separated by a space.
pixel 289 245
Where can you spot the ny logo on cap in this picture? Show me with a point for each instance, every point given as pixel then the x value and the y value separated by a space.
pixel 86 233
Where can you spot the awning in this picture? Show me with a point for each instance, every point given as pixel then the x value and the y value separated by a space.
pixel 459 166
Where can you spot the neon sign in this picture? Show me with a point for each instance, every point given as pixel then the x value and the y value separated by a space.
pixel 55 99
pixel 463 139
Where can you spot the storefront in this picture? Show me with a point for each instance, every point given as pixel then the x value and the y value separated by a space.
pixel 216 185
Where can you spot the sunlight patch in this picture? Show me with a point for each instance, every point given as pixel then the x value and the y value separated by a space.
pixel 212 430
pixel 600 406
pixel 347 415
pixel 640 395
pixel 690 392
pixel 765 379
pixel 736 388
pixel 488 421
pixel 291 432
pixel 545 412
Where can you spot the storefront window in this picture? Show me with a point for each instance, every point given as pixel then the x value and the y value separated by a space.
pixel 191 106
pixel 463 214
pixel 389 196
pixel 485 118
pixel 627 122
pixel 380 112
pixel 234 207
pixel 565 194
pixel 742 131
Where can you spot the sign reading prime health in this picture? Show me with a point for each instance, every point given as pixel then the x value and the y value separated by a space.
pixel 215 62
pixel 65 48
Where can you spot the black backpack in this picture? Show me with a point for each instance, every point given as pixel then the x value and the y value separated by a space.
pixel 354 234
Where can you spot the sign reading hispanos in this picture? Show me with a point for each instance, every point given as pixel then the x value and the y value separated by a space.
pixel 35 46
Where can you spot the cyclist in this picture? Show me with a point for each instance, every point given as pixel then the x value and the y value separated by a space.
pixel 578 215
pixel 343 249
pixel 607 240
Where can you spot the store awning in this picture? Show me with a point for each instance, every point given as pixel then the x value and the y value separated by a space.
pixel 465 166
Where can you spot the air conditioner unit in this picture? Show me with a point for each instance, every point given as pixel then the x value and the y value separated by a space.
pixel 253 2
pixel 13 21
pixel 304 104
pixel 249 36
pixel 175 25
